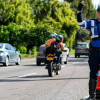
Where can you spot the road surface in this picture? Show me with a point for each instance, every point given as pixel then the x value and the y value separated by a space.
pixel 31 82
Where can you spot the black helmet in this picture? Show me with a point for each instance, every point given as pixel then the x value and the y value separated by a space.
pixel 98 9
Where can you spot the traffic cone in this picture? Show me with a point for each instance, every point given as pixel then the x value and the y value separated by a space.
pixel 98 87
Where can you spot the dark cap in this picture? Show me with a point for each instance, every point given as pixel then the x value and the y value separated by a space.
pixel 98 9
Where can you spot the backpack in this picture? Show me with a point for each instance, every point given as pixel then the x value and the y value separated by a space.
pixel 54 48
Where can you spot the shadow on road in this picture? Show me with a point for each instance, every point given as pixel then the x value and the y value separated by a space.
pixel 49 79
pixel 8 66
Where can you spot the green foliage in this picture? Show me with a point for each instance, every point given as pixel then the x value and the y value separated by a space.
pixel 15 21
pixel 56 17
pixel 16 11
pixel 22 49
pixel 82 35
pixel 88 11
pixel 33 51
pixel 23 56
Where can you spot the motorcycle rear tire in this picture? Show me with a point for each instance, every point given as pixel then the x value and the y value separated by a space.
pixel 50 69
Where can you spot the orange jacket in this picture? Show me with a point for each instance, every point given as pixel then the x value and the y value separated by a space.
pixel 48 42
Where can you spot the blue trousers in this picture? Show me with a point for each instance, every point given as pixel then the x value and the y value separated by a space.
pixel 59 58
pixel 94 64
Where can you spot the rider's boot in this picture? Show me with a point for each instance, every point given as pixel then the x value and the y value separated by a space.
pixel 59 66
pixel 92 88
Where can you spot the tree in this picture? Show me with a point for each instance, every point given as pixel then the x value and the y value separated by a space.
pixel 59 15
pixel 88 12
pixel 15 20
pixel 82 35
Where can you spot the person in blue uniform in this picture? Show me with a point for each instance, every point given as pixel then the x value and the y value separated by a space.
pixel 94 58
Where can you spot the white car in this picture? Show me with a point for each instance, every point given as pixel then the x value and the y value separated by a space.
pixel 65 55
pixel 66 48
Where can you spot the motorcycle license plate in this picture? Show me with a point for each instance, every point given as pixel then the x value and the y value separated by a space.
pixel 50 58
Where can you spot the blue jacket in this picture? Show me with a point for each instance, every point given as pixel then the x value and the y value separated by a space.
pixel 92 26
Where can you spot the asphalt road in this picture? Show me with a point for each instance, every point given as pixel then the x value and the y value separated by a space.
pixel 31 82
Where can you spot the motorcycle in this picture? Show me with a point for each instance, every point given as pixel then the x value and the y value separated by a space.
pixel 52 66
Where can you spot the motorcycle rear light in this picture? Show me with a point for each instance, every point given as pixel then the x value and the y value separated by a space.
pixel 1 51
pixel 51 55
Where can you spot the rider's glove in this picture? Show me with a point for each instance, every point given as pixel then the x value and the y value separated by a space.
pixel 80 6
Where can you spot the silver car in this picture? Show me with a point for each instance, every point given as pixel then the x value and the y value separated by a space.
pixel 82 48
pixel 8 54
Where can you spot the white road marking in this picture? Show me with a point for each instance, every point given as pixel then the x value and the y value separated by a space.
pixel 26 75
pixel 75 63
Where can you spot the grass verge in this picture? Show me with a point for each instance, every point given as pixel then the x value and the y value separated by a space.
pixel 72 52
pixel 28 55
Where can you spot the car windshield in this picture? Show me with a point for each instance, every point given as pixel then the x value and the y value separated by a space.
pixel 82 45
pixel 41 49
pixel 1 45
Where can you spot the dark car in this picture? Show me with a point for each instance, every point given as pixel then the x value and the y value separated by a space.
pixel 8 54
pixel 40 55
pixel 82 48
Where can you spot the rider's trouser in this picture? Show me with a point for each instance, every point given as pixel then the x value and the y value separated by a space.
pixel 94 61
pixel 59 58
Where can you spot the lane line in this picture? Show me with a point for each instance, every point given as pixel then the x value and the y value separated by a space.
pixel 75 63
pixel 26 75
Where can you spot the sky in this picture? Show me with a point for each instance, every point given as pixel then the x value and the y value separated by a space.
pixel 61 0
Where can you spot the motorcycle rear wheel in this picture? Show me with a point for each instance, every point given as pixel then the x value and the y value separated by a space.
pixel 50 69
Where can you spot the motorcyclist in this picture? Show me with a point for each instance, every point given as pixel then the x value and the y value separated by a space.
pixel 59 39
pixel 48 44
pixel 94 57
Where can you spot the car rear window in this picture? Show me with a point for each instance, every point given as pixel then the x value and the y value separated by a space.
pixel 1 45
pixel 41 49
pixel 82 45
